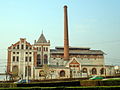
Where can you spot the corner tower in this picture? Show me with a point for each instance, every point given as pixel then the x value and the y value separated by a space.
pixel 43 50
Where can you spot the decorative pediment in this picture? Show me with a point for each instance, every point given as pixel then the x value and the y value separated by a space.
pixel 74 62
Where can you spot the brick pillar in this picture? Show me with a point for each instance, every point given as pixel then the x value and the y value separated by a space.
pixel 66 39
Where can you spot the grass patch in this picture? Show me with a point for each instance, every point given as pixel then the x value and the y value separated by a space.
pixel 112 79
pixel 80 87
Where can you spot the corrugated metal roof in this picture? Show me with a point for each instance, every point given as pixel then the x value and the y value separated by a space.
pixel 78 52
pixel 73 48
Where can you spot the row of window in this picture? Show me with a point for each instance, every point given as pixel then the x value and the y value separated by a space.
pixel 28 58
pixel 27 70
pixel 74 65
pixel 81 58
pixel 93 71
pixel 61 74
pixel 16 59
pixel 39 59
pixel 78 56
pixel 18 52
pixel 42 49
pixel 22 47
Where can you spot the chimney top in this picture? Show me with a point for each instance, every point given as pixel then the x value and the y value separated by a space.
pixel 65 6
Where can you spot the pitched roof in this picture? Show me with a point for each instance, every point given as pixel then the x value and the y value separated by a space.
pixel 74 62
pixel 42 39
pixel 97 52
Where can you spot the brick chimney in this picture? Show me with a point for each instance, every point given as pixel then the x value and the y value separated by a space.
pixel 66 38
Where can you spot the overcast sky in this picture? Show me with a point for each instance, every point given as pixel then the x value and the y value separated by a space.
pixel 92 23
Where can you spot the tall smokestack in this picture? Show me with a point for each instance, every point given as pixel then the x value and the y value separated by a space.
pixel 66 39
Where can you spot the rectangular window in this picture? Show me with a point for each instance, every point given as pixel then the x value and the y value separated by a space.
pixel 17 52
pixel 17 58
pixel 30 59
pixel 26 46
pixel 13 58
pixel 22 46
pixel 40 49
pixel 17 46
pixel 26 59
pixel 46 49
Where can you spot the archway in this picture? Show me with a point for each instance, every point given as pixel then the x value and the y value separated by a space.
pixel 94 71
pixel 62 73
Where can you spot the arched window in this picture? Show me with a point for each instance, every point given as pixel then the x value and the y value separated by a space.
pixel 45 59
pixel 102 70
pixel 15 70
pixel 22 46
pixel 94 71
pixel 62 73
pixel 84 70
pixel 41 73
pixel 38 59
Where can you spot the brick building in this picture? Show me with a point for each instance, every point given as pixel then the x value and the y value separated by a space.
pixel 38 61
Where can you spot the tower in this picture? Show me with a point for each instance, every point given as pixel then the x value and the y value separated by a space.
pixel 43 50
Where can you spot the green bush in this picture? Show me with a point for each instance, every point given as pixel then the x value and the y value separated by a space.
pixel 7 85
pixel 110 83
pixel 99 82
pixel 89 83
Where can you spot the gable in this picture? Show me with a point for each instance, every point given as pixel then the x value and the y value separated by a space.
pixel 74 62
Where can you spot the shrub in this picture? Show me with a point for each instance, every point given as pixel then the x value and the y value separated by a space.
pixel 7 85
pixel 89 82
pixel 110 83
